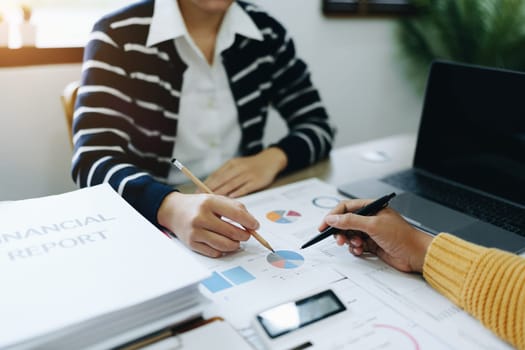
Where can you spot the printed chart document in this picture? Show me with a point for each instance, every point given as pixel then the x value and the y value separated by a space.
pixel 387 309
pixel 254 278
pixel 85 270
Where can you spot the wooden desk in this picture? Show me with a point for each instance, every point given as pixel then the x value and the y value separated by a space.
pixel 353 162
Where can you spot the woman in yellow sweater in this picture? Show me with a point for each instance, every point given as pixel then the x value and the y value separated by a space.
pixel 487 283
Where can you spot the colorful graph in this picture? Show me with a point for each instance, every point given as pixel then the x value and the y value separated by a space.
pixel 226 279
pixel 325 202
pixel 402 332
pixel 283 216
pixel 285 259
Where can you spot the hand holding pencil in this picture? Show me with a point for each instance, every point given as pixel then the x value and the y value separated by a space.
pixel 196 220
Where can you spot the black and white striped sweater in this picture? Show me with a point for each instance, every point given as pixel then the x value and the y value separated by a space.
pixel 125 121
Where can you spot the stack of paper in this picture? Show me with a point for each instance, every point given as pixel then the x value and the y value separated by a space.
pixel 85 270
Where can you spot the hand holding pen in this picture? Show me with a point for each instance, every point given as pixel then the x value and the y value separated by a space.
pixel 388 235
pixel 206 189
pixel 367 210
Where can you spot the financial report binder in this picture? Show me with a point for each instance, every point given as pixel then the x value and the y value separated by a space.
pixel 83 269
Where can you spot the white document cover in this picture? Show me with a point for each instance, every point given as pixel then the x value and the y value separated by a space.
pixel 69 258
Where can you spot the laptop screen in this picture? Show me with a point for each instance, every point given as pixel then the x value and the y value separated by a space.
pixel 472 128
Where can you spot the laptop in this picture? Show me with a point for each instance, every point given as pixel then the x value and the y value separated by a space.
pixel 468 171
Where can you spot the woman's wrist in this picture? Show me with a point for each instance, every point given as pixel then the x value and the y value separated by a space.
pixel 422 244
pixel 166 209
pixel 277 158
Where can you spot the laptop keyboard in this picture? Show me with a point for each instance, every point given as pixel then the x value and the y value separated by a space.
pixel 484 208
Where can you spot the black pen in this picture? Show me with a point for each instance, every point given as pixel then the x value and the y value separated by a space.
pixel 367 210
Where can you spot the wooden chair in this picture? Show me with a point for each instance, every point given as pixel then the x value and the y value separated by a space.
pixel 68 98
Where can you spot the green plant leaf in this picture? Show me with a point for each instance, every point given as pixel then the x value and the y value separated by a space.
pixel 485 32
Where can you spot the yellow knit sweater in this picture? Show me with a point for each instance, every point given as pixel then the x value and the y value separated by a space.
pixel 487 283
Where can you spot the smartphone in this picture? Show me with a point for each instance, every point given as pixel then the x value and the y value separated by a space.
pixel 298 322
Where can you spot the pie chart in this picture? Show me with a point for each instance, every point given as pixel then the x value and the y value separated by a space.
pixel 283 216
pixel 325 202
pixel 285 259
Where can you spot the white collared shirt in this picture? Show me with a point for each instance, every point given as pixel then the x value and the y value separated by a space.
pixel 208 133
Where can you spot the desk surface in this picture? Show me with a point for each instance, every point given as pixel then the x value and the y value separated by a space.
pixel 354 162
pixel 359 161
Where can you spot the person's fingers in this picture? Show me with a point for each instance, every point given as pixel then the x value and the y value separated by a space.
pixel 357 251
pixel 234 184
pixel 346 206
pixel 218 226
pixel 247 187
pixel 338 209
pixel 224 174
pixel 218 242
pixel 215 182
pixel 235 211
pixel 350 221
pixel 355 240
pixel 205 249
pixel 356 245
pixel 217 179
pixel 340 239
pixel 352 205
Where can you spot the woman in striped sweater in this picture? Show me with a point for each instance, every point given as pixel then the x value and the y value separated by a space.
pixel 193 80
pixel 487 283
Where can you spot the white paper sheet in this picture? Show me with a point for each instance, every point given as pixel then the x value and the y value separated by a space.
pixel 246 282
pixel 389 309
